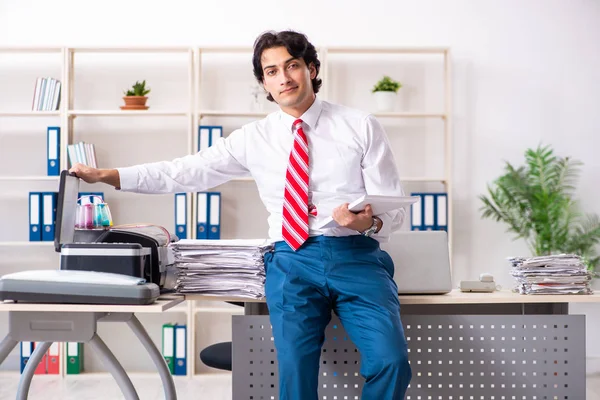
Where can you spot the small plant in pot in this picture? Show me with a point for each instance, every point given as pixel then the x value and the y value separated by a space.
pixel 385 92
pixel 135 98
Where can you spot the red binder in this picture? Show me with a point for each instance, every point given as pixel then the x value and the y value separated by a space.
pixel 42 366
pixel 53 358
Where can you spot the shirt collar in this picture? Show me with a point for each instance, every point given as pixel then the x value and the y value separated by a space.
pixel 310 116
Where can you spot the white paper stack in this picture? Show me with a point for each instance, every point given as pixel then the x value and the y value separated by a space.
pixel 553 274
pixel 232 268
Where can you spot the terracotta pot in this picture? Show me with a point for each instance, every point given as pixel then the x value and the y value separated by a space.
pixel 135 103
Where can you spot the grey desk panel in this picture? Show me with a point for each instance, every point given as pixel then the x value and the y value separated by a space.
pixel 453 357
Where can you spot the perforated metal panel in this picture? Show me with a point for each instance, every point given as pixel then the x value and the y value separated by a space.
pixel 453 357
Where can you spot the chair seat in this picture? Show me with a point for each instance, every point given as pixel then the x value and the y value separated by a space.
pixel 217 356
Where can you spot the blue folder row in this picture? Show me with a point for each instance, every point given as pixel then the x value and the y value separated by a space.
pixel 42 216
pixel 174 348
pixel 208 135
pixel 208 215
pixel 430 212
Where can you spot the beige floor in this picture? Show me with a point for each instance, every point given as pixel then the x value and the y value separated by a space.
pixel 209 387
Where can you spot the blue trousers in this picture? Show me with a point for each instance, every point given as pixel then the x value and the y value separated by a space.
pixel 353 277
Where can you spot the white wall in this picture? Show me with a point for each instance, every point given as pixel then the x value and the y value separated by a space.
pixel 525 72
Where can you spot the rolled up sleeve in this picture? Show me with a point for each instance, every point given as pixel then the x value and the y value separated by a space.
pixel 380 174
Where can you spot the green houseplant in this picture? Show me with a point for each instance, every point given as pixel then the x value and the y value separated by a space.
pixel 536 202
pixel 385 92
pixel 387 84
pixel 135 98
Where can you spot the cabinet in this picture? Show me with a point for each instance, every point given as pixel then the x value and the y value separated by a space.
pixel 193 86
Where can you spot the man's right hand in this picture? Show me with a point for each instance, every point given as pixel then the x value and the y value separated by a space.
pixel 94 175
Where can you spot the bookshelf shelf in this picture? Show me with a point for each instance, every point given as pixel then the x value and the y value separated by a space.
pixel 409 115
pixel 26 244
pixel 229 50
pixel 387 50
pixel 402 179
pixel 224 113
pixel 422 179
pixel 8 49
pixel 29 178
pixel 130 50
pixel 127 113
pixel 29 113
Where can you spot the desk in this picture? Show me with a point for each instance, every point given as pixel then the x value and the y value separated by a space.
pixel 461 345
pixel 48 323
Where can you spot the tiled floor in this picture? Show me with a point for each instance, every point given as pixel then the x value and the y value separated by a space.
pixel 96 387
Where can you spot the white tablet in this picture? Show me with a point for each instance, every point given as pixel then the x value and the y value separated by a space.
pixel 379 205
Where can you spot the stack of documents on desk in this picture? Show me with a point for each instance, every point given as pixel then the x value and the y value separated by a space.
pixel 554 274
pixel 232 268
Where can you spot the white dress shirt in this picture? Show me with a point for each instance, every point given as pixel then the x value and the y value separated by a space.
pixel 349 156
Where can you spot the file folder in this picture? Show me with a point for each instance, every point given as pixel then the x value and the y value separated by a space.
pixel 48 215
pixel 441 212
pixel 203 137
pixel 208 135
pixel 168 346
pixel 180 350
pixel 42 367
pixel 26 351
pixel 53 358
pixel 416 216
pixel 202 216
pixel 74 357
pixel 432 214
pixel 216 133
pixel 181 215
pixel 214 215
pixel 35 216
pixel 53 144
pixel 429 212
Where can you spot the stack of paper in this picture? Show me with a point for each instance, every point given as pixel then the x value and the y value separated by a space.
pixel 232 268
pixel 553 274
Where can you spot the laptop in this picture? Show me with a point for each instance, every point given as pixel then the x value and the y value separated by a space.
pixel 421 261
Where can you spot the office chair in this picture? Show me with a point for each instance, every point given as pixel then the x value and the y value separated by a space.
pixel 219 355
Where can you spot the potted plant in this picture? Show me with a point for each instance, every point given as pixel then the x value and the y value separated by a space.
pixel 385 92
pixel 536 202
pixel 135 98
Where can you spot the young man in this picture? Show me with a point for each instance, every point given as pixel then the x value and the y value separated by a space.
pixel 309 160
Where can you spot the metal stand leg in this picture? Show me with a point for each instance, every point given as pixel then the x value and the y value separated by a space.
pixel 6 347
pixel 165 375
pixel 115 368
pixel 32 364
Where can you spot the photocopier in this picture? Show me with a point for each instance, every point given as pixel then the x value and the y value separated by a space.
pixel 138 251
pixel 120 265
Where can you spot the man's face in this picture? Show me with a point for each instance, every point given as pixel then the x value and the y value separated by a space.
pixel 286 78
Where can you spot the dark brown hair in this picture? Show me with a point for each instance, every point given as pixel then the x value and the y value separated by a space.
pixel 296 44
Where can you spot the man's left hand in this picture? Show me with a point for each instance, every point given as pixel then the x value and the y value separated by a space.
pixel 358 221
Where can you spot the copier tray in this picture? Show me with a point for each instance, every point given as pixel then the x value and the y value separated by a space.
pixel 77 292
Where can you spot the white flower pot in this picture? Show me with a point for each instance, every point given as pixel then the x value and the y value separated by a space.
pixel 386 101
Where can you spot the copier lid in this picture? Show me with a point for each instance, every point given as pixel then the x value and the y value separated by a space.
pixel 66 207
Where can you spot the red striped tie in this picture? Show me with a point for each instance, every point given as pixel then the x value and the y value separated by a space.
pixel 295 199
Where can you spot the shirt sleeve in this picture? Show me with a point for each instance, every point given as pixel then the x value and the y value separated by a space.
pixel 198 172
pixel 380 173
